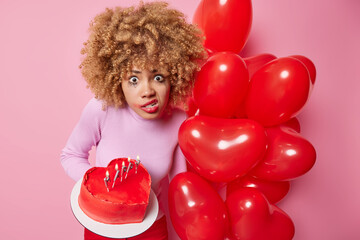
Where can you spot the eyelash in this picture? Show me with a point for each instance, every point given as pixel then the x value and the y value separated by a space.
pixel 133 83
pixel 162 78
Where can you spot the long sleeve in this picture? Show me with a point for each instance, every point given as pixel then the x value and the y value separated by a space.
pixel 86 134
pixel 179 163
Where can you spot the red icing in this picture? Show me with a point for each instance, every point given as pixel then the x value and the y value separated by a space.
pixel 125 203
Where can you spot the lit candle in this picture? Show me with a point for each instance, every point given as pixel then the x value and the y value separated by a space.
pixel 116 175
pixel 137 163
pixel 123 169
pixel 106 179
pixel 128 168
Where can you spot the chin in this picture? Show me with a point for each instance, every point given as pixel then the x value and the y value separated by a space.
pixel 151 116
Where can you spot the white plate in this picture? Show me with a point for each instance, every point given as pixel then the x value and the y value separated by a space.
pixel 114 230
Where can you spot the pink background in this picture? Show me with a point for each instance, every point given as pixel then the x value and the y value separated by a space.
pixel 42 94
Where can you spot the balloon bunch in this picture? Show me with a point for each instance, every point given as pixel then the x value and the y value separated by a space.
pixel 241 131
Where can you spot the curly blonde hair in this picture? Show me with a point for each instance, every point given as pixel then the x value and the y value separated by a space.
pixel 150 35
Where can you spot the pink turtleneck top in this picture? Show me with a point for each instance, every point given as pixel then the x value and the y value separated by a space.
pixel 122 133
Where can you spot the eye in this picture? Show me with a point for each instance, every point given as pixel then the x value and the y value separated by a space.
pixel 159 78
pixel 133 80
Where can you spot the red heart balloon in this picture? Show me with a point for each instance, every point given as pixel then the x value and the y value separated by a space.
pixel 196 210
pixel 292 123
pixel 219 187
pixel 253 217
pixel 222 149
pixel 278 91
pixel 191 107
pixel 288 156
pixel 274 191
pixel 254 63
pixel 240 111
pixel 221 85
pixel 309 65
pixel 226 24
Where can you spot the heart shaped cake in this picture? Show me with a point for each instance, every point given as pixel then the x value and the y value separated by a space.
pixel 117 194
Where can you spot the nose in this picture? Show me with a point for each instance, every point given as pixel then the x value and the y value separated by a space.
pixel 148 90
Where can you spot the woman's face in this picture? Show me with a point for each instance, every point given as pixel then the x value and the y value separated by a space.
pixel 147 91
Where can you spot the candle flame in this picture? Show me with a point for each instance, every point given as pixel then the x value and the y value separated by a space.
pixel 123 164
pixel 116 167
pixel 107 173
pixel 137 157
pixel 128 159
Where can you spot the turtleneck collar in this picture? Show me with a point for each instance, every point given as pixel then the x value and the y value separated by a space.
pixel 144 121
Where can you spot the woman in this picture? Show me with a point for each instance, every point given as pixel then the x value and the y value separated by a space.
pixel 140 64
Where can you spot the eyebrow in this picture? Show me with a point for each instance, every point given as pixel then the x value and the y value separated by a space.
pixel 137 71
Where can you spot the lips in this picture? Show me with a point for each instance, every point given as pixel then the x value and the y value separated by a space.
pixel 151 106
